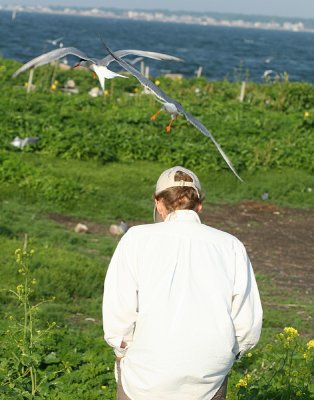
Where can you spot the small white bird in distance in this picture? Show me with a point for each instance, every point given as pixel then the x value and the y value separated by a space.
pixel 54 42
pixel 21 143
pixel 98 66
pixel 118 230
pixel 171 106
pixel 267 73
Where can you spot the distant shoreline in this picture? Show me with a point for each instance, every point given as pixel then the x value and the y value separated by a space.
pixel 166 17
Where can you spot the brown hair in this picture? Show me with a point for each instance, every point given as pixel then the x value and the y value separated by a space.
pixel 180 198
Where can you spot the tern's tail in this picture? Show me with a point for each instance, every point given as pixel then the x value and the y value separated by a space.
pixel 105 73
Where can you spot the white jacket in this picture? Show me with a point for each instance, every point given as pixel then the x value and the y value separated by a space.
pixel 184 297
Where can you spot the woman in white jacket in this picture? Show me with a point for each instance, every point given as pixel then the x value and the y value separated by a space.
pixel 180 301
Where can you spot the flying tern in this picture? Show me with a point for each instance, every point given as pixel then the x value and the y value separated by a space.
pixel 171 106
pixel 54 42
pixel 21 143
pixel 98 66
pixel 267 73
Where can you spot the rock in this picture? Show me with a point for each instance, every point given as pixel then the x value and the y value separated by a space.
pixel 174 76
pixel 118 230
pixel 90 319
pixel 70 87
pixel 81 228
pixel 70 84
pixel 64 67
pixel 95 91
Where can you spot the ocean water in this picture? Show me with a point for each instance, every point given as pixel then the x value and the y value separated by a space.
pixel 223 53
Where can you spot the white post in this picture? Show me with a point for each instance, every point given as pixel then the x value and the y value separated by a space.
pixel 146 72
pixel 55 66
pixel 30 80
pixel 242 91
pixel 142 67
pixel 199 72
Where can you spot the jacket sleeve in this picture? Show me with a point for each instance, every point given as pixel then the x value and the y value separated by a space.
pixel 246 310
pixel 120 298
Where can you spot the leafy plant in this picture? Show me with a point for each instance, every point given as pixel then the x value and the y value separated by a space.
pixel 282 370
pixel 29 365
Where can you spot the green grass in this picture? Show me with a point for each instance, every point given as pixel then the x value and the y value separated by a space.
pixel 120 191
pixel 73 266
pixel 124 190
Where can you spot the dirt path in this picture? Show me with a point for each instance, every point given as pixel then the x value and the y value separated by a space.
pixel 280 241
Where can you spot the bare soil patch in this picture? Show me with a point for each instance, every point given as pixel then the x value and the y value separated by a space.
pixel 279 240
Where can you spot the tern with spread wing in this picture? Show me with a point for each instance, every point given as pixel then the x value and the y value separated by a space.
pixel 55 42
pixel 21 143
pixel 99 66
pixel 171 106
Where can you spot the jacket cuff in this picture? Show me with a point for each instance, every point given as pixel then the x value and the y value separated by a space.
pixel 119 352
pixel 115 342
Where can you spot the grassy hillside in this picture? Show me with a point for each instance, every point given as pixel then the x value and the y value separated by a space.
pixel 96 162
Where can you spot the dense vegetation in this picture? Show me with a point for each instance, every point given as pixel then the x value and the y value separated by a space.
pixel 272 128
pixel 97 160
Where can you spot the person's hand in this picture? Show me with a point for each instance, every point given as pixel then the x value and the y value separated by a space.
pixel 123 346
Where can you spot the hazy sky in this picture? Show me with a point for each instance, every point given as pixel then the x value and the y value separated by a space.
pixel 285 8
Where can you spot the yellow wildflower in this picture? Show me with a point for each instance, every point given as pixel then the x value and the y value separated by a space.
pixel 106 92
pixel 243 382
pixel 306 114
pixel 157 82
pixel 310 344
pixel 291 332
pixel 249 355
pixel 53 87
pixel 104 387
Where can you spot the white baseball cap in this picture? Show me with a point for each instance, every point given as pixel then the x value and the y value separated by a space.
pixel 166 180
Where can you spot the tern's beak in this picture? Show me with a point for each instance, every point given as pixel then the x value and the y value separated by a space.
pixel 76 65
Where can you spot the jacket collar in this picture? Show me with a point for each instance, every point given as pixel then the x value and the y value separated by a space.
pixel 183 215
